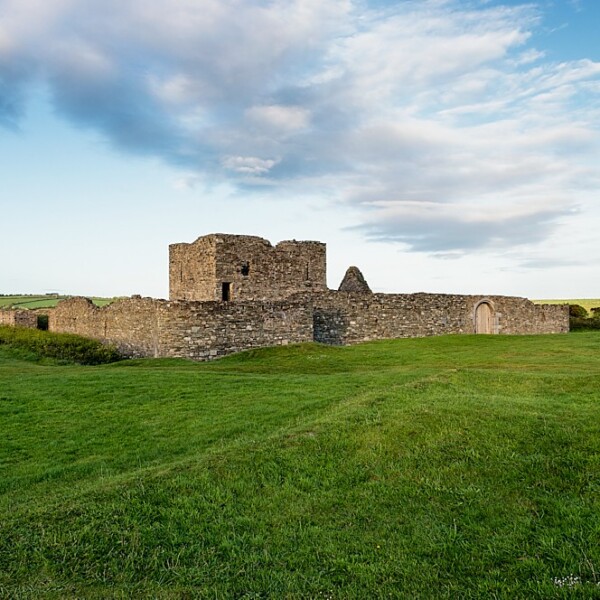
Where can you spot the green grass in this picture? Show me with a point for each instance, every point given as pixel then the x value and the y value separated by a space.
pixel 42 300
pixel 65 347
pixel 450 467
pixel 587 303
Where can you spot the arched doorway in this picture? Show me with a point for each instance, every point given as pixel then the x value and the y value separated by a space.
pixel 484 318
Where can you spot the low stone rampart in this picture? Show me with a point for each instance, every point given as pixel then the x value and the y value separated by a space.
pixel 521 316
pixel 205 330
pixel 144 327
pixel 18 318
pixel 348 318
pixel 133 325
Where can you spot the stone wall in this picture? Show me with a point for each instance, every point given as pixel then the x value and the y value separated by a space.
pixel 192 270
pixel 350 318
pixel 18 318
pixel 133 325
pixel 143 327
pixel 205 330
pixel 521 316
pixel 233 267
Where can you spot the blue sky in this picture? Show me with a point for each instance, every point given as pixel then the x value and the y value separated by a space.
pixel 439 145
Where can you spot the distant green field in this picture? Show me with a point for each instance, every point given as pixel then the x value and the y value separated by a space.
pixel 42 301
pixel 587 303
pixel 433 468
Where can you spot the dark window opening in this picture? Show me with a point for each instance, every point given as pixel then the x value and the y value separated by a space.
pixel 245 269
pixel 226 291
pixel 307 273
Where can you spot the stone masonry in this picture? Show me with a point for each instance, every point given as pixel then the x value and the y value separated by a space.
pixel 145 327
pixel 229 293
pixel 225 267
pixel 351 318
pixel 354 281
pixel 18 318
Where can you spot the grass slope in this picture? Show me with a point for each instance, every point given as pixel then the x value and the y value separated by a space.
pixel 451 467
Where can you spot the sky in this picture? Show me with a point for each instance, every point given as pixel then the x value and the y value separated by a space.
pixel 439 145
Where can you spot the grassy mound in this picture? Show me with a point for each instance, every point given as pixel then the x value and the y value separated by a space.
pixel 453 467
pixel 33 344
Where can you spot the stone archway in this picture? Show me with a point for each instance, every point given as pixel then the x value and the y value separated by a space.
pixel 484 318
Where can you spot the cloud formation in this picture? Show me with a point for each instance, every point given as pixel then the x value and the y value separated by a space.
pixel 451 229
pixel 436 119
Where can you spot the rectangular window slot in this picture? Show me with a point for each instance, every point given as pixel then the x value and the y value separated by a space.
pixel 226 291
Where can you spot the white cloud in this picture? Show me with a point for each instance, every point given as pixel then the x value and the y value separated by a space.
pixel 249 165
pixel 528 57
pixel 187 182
pixel 460 228
pixel 176 89
pixel 278 118
pixel 413 106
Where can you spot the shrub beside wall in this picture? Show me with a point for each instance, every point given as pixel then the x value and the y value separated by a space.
pixel 577 311
pixel 62 346
pixel 580 321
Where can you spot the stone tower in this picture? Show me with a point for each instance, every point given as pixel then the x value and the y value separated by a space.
pixel 224 267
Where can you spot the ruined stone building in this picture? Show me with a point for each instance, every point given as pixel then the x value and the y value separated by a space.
pixel 243 267
pixel 230 292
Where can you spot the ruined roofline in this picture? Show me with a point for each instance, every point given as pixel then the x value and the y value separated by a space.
pixel 298 242
pixel 226 237
pixel 303 296
pixel 369 295
pixel 229 237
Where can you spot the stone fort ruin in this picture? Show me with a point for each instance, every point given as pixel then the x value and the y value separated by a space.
pixel 241 267
pixel 231 292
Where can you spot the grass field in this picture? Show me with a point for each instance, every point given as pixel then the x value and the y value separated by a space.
pixel 449 467
pixel 587 303
pixel 42 301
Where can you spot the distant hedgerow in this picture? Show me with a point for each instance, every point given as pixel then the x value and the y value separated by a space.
pixel 61 346
pixel 577 324
pixel 580 321
pixel 577 311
